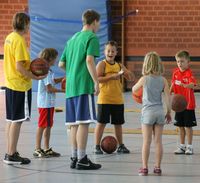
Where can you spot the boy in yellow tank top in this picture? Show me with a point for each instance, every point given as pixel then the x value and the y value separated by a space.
pixel 110 99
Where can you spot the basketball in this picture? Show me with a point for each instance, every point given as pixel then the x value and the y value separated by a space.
pixel 179 103
pixel 39 67
pixel 109 144
pixel 63 83
pixel 137 96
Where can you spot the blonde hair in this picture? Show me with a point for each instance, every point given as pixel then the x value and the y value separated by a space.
pixel 152 64
pixel 48 54
pixel 183 54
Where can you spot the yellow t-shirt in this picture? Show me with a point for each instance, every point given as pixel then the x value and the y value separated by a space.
pixel 111 91
pixel 15 50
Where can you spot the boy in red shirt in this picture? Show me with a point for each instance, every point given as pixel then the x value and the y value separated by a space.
pixel 183 82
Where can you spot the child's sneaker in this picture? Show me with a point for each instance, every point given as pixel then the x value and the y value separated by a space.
pixel 86 164
pixel 98 150
pixel 122 149
pixel 157 171
pixel 143 171
pixel 15 159
pixel 39 153
pixel 73 162
pixel 51 153
pixel 189 151
pixel 180 150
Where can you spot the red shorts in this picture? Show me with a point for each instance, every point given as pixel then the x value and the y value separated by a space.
pixel 45 117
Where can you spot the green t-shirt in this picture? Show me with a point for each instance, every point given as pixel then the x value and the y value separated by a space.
pixel 79 81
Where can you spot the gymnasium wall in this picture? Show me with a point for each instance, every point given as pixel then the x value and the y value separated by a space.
pixel 52 24
pixel 165 26
pixel 7 9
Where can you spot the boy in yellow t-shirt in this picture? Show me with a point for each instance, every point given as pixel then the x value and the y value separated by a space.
pixel 18 86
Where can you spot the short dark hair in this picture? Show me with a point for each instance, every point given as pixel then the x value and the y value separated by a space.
pixel 20 21
pixel 89 16
pixel 112 43
pixel 48 54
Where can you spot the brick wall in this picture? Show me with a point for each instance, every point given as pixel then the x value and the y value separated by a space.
pixel 7 9
pixel 136 68
pixel 163 25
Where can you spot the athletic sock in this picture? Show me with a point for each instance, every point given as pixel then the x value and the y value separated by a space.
pixel 81 153
pixel 74 152
pixel 189 146
pixel 182 145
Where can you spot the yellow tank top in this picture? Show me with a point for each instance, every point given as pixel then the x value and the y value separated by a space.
pixel 111 91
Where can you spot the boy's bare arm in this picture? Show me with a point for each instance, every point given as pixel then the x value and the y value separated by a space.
pixel 167 96
pixel 171 89
pixel 190 85
pixel 92 70
pixel 167 101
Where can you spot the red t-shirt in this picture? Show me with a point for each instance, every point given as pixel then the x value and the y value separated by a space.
pixel 185 77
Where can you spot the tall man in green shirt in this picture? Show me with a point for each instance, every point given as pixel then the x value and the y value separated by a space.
pixel 78 59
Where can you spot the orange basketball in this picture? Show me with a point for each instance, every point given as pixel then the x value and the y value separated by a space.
pixel 39 67
pixel 179 103
pixel 109 144
pixel 137 96
pixel 63 83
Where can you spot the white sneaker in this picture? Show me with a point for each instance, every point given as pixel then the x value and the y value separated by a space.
pixel 189 151
pixel 180 150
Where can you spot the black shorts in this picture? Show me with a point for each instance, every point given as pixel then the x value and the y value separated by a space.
pixel 186 118
pixel 18 105
pixel 111 112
